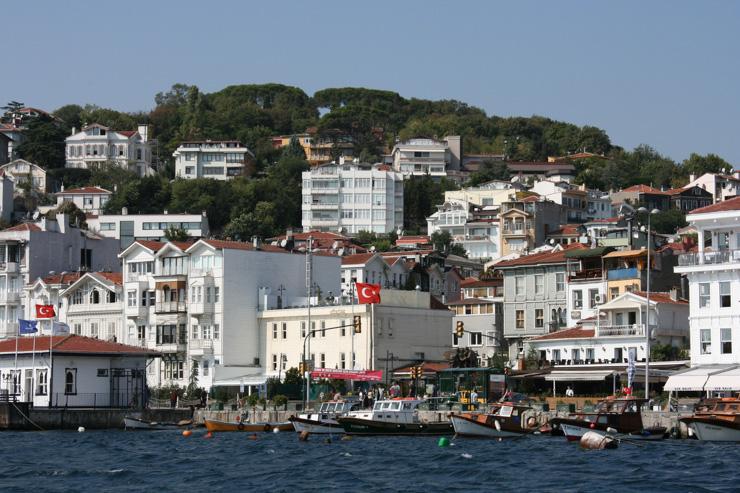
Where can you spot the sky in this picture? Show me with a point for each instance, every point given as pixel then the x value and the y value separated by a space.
pixel 663 73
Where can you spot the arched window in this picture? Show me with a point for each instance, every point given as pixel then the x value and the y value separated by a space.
pixel 95 297
pixel 70 381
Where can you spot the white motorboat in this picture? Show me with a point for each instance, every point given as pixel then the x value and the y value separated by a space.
pixel 324 420
pixel 716 420
pixel 131 423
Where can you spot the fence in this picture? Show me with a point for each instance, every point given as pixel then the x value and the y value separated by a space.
pixel 94 400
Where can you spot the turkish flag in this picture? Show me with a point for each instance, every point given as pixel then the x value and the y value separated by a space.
pixel 45 311
pixel 368 293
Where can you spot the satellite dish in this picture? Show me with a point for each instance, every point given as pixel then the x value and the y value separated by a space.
pixel 36 215
pixel 372 248
pixel 340 252
pixel 283 243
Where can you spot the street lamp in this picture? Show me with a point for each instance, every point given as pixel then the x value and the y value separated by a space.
pixel 647 304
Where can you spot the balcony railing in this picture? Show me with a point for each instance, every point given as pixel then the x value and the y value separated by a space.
pixel 9 297
pixel 620 330
pixel 586 274
pixel 170 307
pixel 514 231
pixel 617 274
pixel 709 258
pixel 9 267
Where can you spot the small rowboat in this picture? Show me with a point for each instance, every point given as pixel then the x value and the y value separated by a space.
pixel 217 425
pixel 131 423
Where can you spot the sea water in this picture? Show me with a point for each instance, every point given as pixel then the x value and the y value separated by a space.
pixel 167 461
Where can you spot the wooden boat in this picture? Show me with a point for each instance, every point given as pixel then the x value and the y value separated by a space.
pixel 131 423
pixel 504 422
pixel 716 420
pixel 325 420
pixel 620 418
pixel 218 425
pixel 392 417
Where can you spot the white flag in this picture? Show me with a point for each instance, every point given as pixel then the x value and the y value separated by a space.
pixel 59 328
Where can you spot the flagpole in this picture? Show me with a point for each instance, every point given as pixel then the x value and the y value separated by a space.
pixel 372 336
pixel 51 360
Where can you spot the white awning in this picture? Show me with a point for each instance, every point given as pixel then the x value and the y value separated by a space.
pixel 725 381
pixel 695 379
pixel 580 376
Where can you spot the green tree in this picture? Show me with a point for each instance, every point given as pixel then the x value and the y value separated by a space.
pixel 293 377
pixel 489 171
pixel 665 222
pixel 294 149
pixel 43 143
pixel 71 116
pixel 174 233
pixel 260 222
pixel 697 164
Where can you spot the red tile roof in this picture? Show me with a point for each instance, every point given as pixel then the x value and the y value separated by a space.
pixel 357 259
pixel 661 298
pixel 316 235
pixel 85 190
pixel 114 277
pixel 727 205
pixel 471 301
pixel 71 344
pixel 566 229
pixel 62 278
pixel 126 133
pixel 243 245
pixel 24 227
pixel 549 257
pixel 644 189
pixel 491 283
pixel 155 246
pixel 468 280
pixel 571 333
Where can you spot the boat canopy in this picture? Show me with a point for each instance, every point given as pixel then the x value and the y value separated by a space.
pixel 579 376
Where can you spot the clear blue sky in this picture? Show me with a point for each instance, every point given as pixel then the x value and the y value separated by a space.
pixel 666 73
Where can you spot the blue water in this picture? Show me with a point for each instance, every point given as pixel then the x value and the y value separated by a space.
pixel 167 461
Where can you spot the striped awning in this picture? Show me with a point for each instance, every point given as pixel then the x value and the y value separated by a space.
pixel 697 379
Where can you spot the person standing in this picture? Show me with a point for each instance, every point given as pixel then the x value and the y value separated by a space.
pixel 569 392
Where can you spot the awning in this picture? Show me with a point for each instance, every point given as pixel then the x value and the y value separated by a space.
pixel 359 375
pixel 694 379
pixel 587 252
pixel 725 381
pixel 580 376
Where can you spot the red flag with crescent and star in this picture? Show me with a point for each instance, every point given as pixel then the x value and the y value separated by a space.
pixel 45 311
pixel 368 293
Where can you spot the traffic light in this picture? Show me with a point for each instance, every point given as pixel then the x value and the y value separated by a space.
pixel 459 328
pixel 357 324
pixel 301 367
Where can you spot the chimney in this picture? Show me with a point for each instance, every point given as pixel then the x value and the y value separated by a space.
pixel 124 211
pixel 692 177
pixel 289 234
pixel 144 132
pixel 74 130
pixel 736 174
pixel 674 293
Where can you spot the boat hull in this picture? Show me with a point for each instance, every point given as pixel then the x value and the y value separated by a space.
pixel 573 431
pixel 315 427
pixel 713 430
pixel 358 426
pixel 471 427
pixel 130 423
pixel 214 425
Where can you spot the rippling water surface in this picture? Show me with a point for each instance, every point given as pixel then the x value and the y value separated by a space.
pixel 167 461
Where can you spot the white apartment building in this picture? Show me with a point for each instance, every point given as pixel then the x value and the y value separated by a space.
pixel 479 237
pixel 410 325
pixel 90 200
pixel 96 145
pixel 92 306
pixel 130 227
pixel 424 156
pixel 492 193
pixel 481 310
pixel 21 171
pixel 721 186
pixel 7 194
pixel 32 250
pixel 352 197
pixel 713 273
pixel 217 159
pixel 373 268
pixel 46 291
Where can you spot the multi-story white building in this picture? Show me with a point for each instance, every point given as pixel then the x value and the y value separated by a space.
pixel 479 236
pixel 22 171
pixel 375 269
pixel 129 227
pixel 90 200
pixel 46 291
pixel 92 306
pixel 422 156
pixel 352 197
pixel 217 159
pixel 481 311
pixel 721 186
pixel 409 325
pixel 32 250
pixel 96 145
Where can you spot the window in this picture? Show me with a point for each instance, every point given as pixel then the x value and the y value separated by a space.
pixel 725 340
pixel 455 340
pixel 131 298
pixel 208 294
pixel 141 332
pixel 476 338
pixel 77 329
pixel 206 368
pixel 703 295
pixel 539 283
pixel 322 360
pixel 519 285
pixel 520 319
pixel 216 294
pixel 575 355
pixel 725 300
pixel 592 294
pixel 613 293
pixel 705 339
pixel 342 361
pixel 274 362
pixel 590 354
pixel 303 329
pixel 206 331
pixel 94 330
pixel 556 354
pixel 343 330
pixel 577 299
pixel 323 329
pixel 274 331
pixel 560 282
pixel 195 332
pixel 70 381
pixel 216 331
pixel 166 334
pixel 42 382
pixel 539 317
pixel 285 330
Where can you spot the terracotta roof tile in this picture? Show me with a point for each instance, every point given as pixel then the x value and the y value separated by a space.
pixel 357 259
pixel 114 277
pixel 243 245
pixel 85 190
pixel 71 344
pixel 571 333
pixel 62 278
pixel 24 227
pixel 126 133
pixel 661 298
pixel 549 257
pixel 726 205
pixel 644 189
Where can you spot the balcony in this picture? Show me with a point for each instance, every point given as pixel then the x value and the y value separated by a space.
pixel 9 267
pixel 171 347
pixel 170 307
pixel 619 274
pixel 10 297
pixel 200 308
pixel 586 274
pixel 636 330
pixel 709 258
pixel 515 231
pixel 201 347
pixel 137 311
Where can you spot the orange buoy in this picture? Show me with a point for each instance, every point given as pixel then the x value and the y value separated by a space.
pixel 187 433
pixel 208 435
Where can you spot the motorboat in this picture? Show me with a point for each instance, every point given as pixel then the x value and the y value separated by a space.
pixel 132 423
pixel 215 425
pixel 324 421
pixel 393 417
pixel 618 417
pixel 504 420
pixel 716 420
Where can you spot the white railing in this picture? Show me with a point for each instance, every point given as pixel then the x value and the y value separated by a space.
pixel 709 258
pixel 620 330
pixel 201 344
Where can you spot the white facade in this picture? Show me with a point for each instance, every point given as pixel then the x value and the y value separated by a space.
pixel 129 227
pixel 21 171
pixel 92 306
pixel 374 269
pixel 405 326
pixel 7 192
pixel 584 296
pixel 90 200
pixel 95 146
pixel 722 187
pixel 714 284
pixel 349 198
pixel 421 156
pixel 217 159
pixel 480 238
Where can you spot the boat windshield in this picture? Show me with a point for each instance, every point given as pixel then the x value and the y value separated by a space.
pixel 323 407
pixel 330 407
pixel 395 406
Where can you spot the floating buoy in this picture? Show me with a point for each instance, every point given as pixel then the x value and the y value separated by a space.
pixel 276 430
pixel 346 438
pixel 592 425
pixel 81 429
pixel 595 441
pixel 443 442
pixel 187 433
pixel 208 435
pixel 303 436
pixel 497 425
